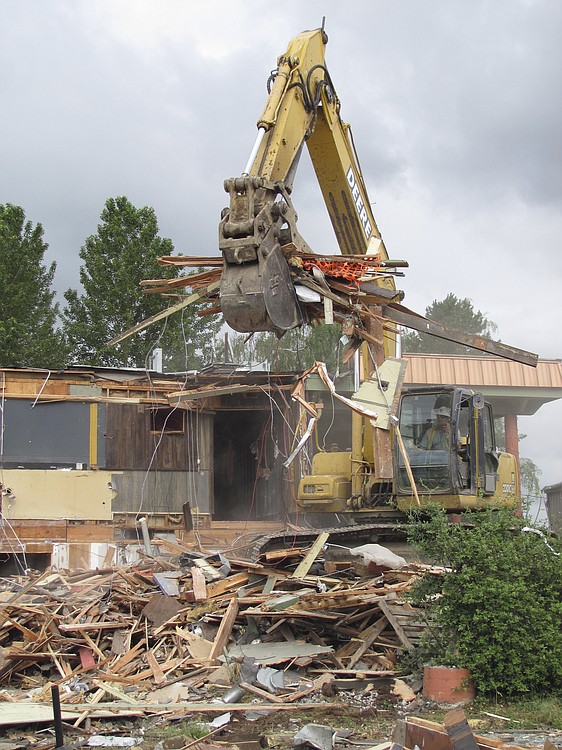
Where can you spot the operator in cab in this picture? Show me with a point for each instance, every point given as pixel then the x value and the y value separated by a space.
pixel 438 436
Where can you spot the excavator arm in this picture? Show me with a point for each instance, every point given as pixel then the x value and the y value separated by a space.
pixel 257 291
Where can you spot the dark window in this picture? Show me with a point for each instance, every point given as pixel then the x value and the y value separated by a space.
pixel 167 420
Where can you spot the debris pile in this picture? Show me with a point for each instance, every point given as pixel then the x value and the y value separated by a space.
pixel 173 633
pixel 331 288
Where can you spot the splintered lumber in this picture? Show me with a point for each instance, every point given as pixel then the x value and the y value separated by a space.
pixel 224 631
pixel 196 296
pixel 348 288
pixel 156 669
pixel 31 584
pixel 396 625
pixel 191 260
pixel 311 556
pixel 129 638
pixel 414 731
pixel 369 637
pixel 199 584
pixel 459 731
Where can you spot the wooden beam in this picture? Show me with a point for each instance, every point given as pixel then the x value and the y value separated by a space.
pixel 398 629
pixel 225 628
pixel 164 313
pixel 409 319
pixel 199 584
pixel 305 564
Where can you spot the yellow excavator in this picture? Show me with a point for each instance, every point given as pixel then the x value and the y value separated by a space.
pixel 392 462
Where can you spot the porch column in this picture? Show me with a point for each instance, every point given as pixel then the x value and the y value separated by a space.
pixel 511 435
pixel 512 446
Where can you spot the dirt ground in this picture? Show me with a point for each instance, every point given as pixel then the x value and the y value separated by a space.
pixel 360 720
pixel 367 719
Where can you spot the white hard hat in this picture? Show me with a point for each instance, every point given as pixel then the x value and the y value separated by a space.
pixel 443 411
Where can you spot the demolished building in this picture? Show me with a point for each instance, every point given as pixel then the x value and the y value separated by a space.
pixel 87 451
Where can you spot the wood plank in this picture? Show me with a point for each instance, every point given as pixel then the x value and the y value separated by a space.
pixel 42 713
pixel 224 631
pixel 199 584
pixel 159 676
pixel 259 693
pixel 305 564
pixel 217 588
pixel 398 629
pixel 40 530
pixel 369 636
pixel 404 317
pixel 93 626
pixel 100 533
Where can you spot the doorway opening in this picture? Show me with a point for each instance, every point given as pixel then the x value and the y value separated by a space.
pixel 243 467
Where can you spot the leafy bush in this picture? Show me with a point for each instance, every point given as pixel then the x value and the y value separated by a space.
pixel 498 612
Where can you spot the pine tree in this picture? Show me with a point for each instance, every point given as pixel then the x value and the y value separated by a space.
pixel 454 313
pixel 115 260
pixel 28 315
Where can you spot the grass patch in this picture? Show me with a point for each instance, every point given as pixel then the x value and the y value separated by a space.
pixel 191 729
pixel 525 713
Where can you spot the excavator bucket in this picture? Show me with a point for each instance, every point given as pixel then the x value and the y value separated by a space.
pixel 259 296
pixel 256 292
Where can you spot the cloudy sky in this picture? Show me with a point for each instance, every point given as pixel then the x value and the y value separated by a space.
pixel 456 109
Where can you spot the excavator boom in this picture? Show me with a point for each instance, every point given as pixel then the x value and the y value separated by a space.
pixel 258 233
pixel 257 291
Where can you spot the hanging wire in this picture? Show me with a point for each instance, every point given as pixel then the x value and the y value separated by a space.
pixel 23 566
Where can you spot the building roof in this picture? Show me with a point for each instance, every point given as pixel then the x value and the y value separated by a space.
pixel 513 388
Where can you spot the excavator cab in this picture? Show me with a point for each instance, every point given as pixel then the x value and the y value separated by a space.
pixel 449 450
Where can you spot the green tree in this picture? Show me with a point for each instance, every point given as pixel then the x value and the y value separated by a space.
pixel 190 338
pixel 115 260
pixel 530 475
pixel 29 336
pixel 453 313
pixel 297 350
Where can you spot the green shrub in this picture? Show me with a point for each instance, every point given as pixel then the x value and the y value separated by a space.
pixel 498 612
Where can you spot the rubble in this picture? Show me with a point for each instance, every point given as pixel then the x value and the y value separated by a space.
pixel 231 640
pixel 190 633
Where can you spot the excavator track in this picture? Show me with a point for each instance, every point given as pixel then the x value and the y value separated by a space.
pixel 351 535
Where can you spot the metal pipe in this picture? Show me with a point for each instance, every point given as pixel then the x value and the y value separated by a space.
pixel 257 144
pixel 145 536
pixel 57 716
